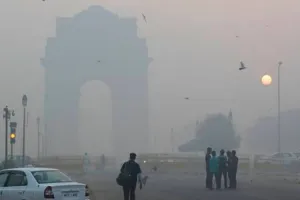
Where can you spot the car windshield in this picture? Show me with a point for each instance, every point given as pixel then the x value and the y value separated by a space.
pixel 50 176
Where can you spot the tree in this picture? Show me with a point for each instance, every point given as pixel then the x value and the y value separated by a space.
pixel 216 131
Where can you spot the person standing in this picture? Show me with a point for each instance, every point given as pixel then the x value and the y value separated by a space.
pixel 214 170
pixel 234 168
pixel 228 165
pixel 222 168
pixel 86 163
pixel 102 162
pixel 134 171
pixel 208 175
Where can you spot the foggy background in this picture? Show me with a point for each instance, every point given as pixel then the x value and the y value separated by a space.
pixel 196 47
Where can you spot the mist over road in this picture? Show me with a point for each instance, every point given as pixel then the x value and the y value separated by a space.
pixel 179 186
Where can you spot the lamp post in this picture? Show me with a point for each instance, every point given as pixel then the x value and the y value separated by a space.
pixel 38 136
pixel 278 107
pixel 7 114
pixel 267 80
pixel 24 103
pixel 172 140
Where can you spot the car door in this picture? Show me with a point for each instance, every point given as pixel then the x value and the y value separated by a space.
pixel 288 157
pixel 15 186
pixel 277 158
pixel 3 179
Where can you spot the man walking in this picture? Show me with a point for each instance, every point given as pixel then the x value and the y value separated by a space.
pixel 222 168
pixel 234 168
pixel 208 175
pixel 214 170
pixel 134 171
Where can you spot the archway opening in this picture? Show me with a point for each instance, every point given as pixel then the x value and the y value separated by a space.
pixel 95 119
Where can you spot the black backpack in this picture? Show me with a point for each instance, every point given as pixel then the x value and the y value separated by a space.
pixel 124 177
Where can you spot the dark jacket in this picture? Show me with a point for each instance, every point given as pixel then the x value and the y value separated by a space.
pixel 222 162
pixel 132 168
pixel 207 159
pixel 229 162
pixel 234 162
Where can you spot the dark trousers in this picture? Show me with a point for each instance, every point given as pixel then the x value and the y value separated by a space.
pixel 129 191
pixel 233 178
pixel 222 173
pixel 212 176
pixel 207 181
pixel 228 173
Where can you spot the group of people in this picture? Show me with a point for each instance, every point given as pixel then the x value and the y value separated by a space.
pixel 216 167
pixel 222 166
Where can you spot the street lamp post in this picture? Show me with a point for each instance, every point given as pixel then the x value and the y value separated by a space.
pixel 24 103
pixel 172 140
pixel 7 114
pixel 38 136
pixel 278 106
pixel 44 139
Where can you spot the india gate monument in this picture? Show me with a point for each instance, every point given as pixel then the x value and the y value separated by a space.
pixel 96 45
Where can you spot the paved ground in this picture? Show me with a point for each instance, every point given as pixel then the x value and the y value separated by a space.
pixel 191 187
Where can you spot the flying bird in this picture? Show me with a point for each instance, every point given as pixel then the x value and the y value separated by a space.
pixel 145 19
pixel 187 98
pixel 242 66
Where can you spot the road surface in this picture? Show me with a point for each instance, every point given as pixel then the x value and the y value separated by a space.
pixel 162 186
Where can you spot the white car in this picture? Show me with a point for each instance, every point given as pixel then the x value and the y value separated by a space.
pixel 39 183
pixel 281 158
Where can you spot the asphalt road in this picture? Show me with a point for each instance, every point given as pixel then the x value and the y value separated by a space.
pixel 162 186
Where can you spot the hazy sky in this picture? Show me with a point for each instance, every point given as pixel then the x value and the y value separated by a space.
pixel 196 53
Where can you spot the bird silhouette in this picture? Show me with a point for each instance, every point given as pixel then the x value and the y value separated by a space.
pixel 242 66
pixel 145 19
pixel 186 98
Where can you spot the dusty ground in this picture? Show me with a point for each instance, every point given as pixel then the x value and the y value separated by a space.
pixel 183 186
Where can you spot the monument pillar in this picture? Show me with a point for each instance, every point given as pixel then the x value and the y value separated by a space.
pixel 61 114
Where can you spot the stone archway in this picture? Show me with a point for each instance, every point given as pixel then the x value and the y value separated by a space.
pixel 95 119
pixel 96 45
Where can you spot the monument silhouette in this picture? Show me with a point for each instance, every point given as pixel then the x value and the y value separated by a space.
pixel 96 45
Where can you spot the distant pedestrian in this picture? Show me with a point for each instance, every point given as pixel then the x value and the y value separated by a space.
pixel 86 163
pixel 222 168
pixel 233 169
pixel 134 171
pixel 228 164
pixel 103 159
pixel 214 170
pixel 207 159
pixel 154 168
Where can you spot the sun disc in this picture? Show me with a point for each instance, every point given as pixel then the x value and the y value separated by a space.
pixel 266 80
